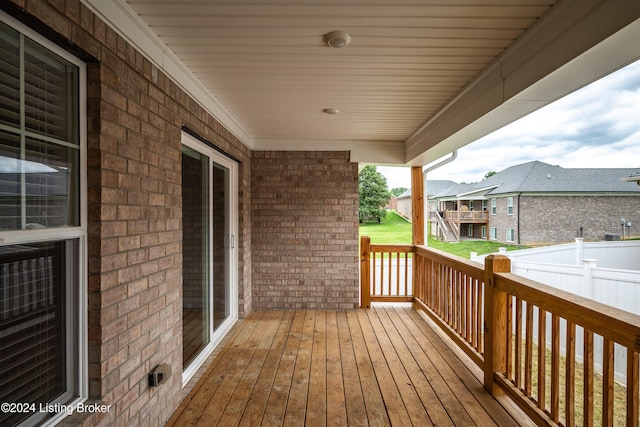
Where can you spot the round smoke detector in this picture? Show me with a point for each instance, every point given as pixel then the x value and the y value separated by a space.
pixel 337 39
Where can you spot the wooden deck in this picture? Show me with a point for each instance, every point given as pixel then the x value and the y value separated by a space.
pixel 383 366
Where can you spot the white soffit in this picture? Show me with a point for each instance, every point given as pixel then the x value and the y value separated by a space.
pixel 553 59
pixel 418 80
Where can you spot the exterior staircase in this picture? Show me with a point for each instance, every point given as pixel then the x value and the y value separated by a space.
pixel 446 232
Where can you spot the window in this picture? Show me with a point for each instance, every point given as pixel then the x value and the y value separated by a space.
pixel 484 206
pixel 510 235
pixel 509 205
pixel 470 205
pixel 470 230
pixel 494 208
pixel 42 226
pixel 483 231
pixel 494 233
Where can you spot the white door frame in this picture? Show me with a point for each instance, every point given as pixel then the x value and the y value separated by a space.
pixel 232 248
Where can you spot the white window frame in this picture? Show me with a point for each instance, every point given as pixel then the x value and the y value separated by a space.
pixel 77 364
pixel 494 233
pixel 470 230
pixel 511 235
pixel 510 205
pixel 494 206
pixel 483 231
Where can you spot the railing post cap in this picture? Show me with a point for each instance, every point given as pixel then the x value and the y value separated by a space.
pixel 497 256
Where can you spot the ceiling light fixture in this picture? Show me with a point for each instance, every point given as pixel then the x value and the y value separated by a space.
pixel 331 111
pixel 337 39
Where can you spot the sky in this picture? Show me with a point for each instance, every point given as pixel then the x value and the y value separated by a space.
pixel 597 126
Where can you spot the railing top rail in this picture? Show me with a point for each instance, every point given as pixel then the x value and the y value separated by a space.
pixel 618 325
pixel 399 248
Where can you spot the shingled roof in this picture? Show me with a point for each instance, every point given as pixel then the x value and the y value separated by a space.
pixel 539 177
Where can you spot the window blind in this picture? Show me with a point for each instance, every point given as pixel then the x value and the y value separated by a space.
pixel 32 324
pixel 39 152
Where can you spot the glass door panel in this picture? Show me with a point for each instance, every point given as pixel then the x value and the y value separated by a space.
pixel 220 243
pixel 195 246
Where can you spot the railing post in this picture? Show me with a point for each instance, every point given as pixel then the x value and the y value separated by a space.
pixel 495 318
pixel 365 272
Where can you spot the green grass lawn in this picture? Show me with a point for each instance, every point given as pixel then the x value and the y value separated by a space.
pixel 392 229
pixel 395 229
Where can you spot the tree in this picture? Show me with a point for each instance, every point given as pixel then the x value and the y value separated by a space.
pixel 374 194
pixel 398 191
pixel 488 174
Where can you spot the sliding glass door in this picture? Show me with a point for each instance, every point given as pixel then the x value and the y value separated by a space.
pixel 209 293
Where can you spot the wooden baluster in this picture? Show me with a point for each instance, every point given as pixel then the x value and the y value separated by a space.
pixel 570 376
pixel 632 387
pixel 398 292
pixel 528 351
pixel 374 268
pixel 365 272
pixel 390 272
pixel 518 345
pixel 469 310
pixel 480 326
pixel 542 359
pixel 509 338
pixel 607 381
pixel 406 274
pixel 381 273
pixel 555 367
pixel 588 379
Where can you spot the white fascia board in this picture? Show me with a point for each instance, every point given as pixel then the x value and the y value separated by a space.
pixel 480 192
pixel 122 19
pixel 390 153
pixel 577 194
pixel 574 44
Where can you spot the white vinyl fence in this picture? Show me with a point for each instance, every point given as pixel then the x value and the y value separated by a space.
pixel 616 287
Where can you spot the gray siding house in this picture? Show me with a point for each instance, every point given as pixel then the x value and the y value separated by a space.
pixel 537 203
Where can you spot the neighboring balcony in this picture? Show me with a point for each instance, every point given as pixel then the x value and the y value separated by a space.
pixel 470 217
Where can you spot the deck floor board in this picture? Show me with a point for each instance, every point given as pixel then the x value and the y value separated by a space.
pixel 379 367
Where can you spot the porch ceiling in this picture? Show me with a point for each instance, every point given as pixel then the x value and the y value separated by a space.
pixel 416 74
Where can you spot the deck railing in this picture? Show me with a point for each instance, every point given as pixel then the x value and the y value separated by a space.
pixel 465 215
pixel 535 344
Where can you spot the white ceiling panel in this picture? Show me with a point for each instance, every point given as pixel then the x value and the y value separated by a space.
pixel 267 64
pixel 420 77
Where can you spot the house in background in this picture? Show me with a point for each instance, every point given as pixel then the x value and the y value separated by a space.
pixel 433 188
pixel 393 203
pixel 537 203
pixel 168 167
pixel 404 204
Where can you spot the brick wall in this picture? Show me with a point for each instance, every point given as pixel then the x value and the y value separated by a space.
pixel 305 230
pixel 558 219
pixel 135 116
pixel 501 220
